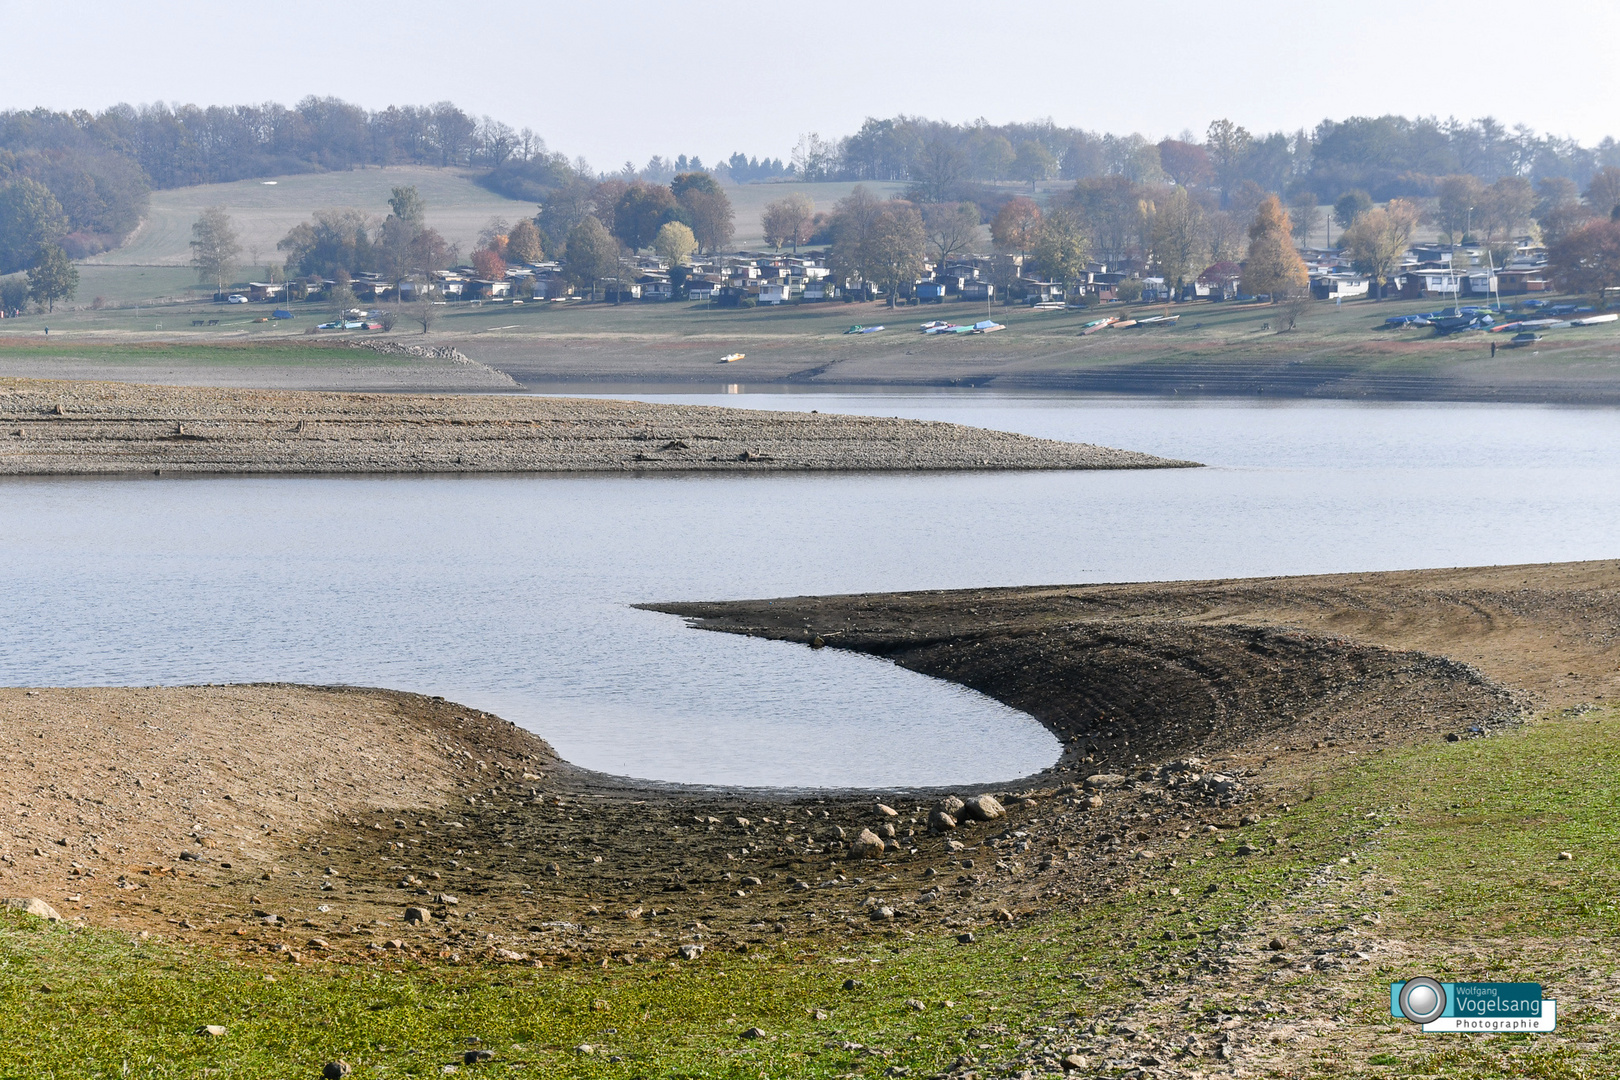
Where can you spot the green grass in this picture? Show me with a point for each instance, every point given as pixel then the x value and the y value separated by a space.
pixel 1466 834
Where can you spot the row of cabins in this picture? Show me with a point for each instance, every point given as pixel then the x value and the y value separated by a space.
pixel 1429 272
pixel 762 278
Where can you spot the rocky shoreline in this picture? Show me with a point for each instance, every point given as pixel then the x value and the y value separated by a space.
pixel 77 428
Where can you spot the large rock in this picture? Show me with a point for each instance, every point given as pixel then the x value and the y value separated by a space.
pixel 983 808
pixel 940 821
pixel 868 845
pixel 32 905
pixel 951 805
pixel 1104 780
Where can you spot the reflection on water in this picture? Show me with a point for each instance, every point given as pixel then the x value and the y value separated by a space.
pixel 513 593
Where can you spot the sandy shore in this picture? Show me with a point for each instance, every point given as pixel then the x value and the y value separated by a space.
pixel 62 428
pixel 200 811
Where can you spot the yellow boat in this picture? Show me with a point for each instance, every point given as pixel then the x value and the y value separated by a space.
pixel 731 358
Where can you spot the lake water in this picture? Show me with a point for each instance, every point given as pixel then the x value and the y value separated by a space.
pixel 513 593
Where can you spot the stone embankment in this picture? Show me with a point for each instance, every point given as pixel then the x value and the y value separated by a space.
pixel 63 428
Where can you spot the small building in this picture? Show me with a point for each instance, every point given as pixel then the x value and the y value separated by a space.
pixel 1338 287
pixel 773 293
pixel 928 292
pixel 260 291
pixel 1430 283
pixel 978 290
pixel 1519 281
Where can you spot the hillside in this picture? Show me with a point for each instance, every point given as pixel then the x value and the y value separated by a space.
pixel 263 211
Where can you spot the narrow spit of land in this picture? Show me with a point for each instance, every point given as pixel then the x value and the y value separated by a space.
pixel 64 428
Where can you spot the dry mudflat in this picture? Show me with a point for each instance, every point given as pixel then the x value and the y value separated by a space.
pixel 201 811
pixel 64 428
pixel 347 826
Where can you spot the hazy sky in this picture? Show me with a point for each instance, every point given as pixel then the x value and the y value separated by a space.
pixel 628 80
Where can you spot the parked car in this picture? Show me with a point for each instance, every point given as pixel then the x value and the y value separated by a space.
pixel 236 298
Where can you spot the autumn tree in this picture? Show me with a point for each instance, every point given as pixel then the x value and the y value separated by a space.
pixel 524 244
pixel 592 253
pixel 1588 259
pixel 1110 206
pixel 214 247
pixel 1273 267
pixel 1378 239
pixel 1224 232
pixel 1178 239
pixel 854 220
pixel 1015 225
pixel 1305 215
pixel 708 209
pixel 52 277
pixel 489 264
pixel 894 251
pixel 1603 192
pixel 675 244
pixel 787 221
pixel 1188 164
pixel 1455 198
pixel 1507 206
pixel 1350 206
pixel 1061 246
pixel 952 228
pixel 408 206
pixel 1228 146
pixel 1033 163
pixel 640 212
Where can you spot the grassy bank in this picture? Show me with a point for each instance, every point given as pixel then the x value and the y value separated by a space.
pixel 1441 858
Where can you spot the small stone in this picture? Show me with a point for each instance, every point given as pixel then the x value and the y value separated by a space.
pixel 853 984
pixel 35 907
pixel 336 1070
pixel 691 952
pixel 887 811
pixel 1076 1062
pixel 741 823
pixel 1564 856
pixel 473 1057
pixel 819 1014
pixel 1276 944
pixel 940 821
pixel 913 1003
pixel 751 882
pixel 1104 780
pixel 211 1031
pixel 954 846
pixel 984 808
pixel 418 915
pixel 752 1033
pixel 966 939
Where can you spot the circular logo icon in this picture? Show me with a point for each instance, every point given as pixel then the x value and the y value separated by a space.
pixel 1422 1000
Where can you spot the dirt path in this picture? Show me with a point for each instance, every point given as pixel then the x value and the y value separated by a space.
pixel 59 428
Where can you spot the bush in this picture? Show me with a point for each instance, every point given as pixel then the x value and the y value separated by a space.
pixel 1129 290
pixel 387 320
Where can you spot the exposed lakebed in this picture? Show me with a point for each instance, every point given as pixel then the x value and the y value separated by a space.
pixel 513 593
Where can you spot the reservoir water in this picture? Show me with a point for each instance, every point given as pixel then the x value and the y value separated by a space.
pixel 513 593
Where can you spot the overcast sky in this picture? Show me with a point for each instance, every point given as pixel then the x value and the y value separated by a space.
pixel 629 80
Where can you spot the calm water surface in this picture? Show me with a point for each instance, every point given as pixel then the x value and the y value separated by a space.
pixel 513 593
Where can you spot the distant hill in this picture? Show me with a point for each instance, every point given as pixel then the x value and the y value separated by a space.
pixel 263 211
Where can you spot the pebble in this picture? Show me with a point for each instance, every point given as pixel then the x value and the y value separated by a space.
pixel 473 1057
pixel 691 952
pixel 418 915
pixel 336 1070
pixel 211 1031
pixel 753 1033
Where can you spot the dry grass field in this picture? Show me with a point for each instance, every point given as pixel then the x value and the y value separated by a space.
pixel 263 211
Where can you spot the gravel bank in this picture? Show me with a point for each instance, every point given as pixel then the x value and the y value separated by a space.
pixel 62 428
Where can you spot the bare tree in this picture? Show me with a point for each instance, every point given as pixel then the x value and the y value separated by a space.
pixel 214 247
